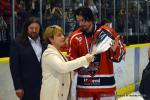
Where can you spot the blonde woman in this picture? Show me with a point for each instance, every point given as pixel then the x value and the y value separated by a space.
pixel 56 69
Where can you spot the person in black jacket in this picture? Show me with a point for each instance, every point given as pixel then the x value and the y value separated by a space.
pixel 144 85
pixel 25 61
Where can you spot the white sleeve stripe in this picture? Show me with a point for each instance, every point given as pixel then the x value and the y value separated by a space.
pixel 74 36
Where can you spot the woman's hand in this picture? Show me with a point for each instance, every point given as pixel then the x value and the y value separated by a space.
pixel 89 57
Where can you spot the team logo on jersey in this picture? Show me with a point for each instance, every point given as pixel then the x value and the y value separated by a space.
pixel 93 66
pixel 79 38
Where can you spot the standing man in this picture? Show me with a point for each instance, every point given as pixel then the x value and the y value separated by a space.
pixel 25 61
pixel 97 82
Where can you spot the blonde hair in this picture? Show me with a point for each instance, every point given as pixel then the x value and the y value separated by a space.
pixel 50 31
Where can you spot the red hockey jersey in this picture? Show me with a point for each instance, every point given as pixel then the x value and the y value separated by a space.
pixel 99 76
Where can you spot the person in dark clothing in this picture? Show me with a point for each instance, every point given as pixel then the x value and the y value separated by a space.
pixel 25 61
pixel 144 85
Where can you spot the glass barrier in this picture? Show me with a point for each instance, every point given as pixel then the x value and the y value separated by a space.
pixel 130 18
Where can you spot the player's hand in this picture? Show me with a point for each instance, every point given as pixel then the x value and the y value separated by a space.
pixel 114 43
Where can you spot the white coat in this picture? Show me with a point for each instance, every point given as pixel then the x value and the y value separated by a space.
pixel 56 74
